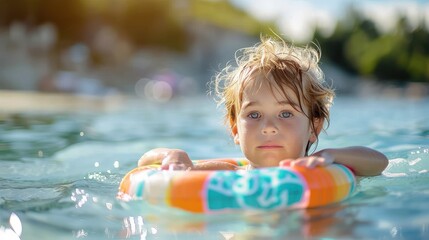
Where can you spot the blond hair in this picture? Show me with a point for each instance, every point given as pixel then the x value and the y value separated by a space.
pixel 289 66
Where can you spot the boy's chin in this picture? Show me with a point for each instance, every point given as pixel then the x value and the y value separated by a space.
pixel 267 161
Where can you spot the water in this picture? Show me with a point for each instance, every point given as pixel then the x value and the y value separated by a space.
pixel 59 174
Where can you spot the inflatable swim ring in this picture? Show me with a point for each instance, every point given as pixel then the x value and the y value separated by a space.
pixel 258 189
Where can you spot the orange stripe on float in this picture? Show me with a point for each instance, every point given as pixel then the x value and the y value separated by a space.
pixel 186 191
pixel 329 187
pixel 321 185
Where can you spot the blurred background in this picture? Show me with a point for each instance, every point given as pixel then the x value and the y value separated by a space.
pixel 161 49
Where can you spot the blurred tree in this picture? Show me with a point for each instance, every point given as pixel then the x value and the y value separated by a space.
pixel 418 45
pixel 223 14
pixel 68 16
pixel 358 47
pixel 13 10
pixel 152 23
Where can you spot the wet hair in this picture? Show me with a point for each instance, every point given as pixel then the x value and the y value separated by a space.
pixel 284 66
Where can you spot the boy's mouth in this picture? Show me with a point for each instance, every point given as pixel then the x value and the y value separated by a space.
pixel 269 146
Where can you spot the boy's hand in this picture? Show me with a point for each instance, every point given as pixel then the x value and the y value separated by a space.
pixel 169 159
pixel 315 160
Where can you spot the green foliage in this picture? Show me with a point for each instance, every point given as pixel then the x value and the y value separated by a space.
pixel 68 15
pixel 223 14
pixel 144 22
pixel 359 47
pixel 152 23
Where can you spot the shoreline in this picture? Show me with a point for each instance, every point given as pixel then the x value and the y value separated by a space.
pixel 13 101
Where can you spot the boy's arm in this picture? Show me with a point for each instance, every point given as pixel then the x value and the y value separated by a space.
pixel 169 159
pixel 177 159
pixel 362 160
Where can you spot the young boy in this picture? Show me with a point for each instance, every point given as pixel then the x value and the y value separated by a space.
pixel 276 105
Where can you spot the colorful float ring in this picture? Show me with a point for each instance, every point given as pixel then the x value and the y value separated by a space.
pixel 259 189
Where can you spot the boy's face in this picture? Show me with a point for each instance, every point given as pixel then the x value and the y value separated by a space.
pixel 269 129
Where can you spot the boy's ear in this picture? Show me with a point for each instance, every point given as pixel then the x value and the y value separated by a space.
pixel 318 125
pixel 234 133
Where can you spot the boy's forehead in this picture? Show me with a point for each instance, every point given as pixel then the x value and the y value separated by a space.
pixel 262 82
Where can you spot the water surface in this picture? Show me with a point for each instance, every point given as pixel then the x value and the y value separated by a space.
pixel 59 173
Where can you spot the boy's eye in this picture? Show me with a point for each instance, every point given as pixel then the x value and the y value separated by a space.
pixel 254 115
pixel 285 114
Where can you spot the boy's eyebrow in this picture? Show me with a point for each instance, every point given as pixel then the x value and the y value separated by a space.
pixel 253 103
pixel 285 103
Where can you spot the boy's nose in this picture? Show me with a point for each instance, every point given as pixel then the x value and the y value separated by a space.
pixel 269 129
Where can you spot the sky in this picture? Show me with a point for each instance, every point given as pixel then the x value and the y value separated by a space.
pixel 298 18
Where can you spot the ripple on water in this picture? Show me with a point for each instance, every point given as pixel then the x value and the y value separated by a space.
pixel 32 198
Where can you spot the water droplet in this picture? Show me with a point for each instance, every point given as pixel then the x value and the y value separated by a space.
pixel 393 231
pixel 15 223
pixel 81 233
pixel 109 206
